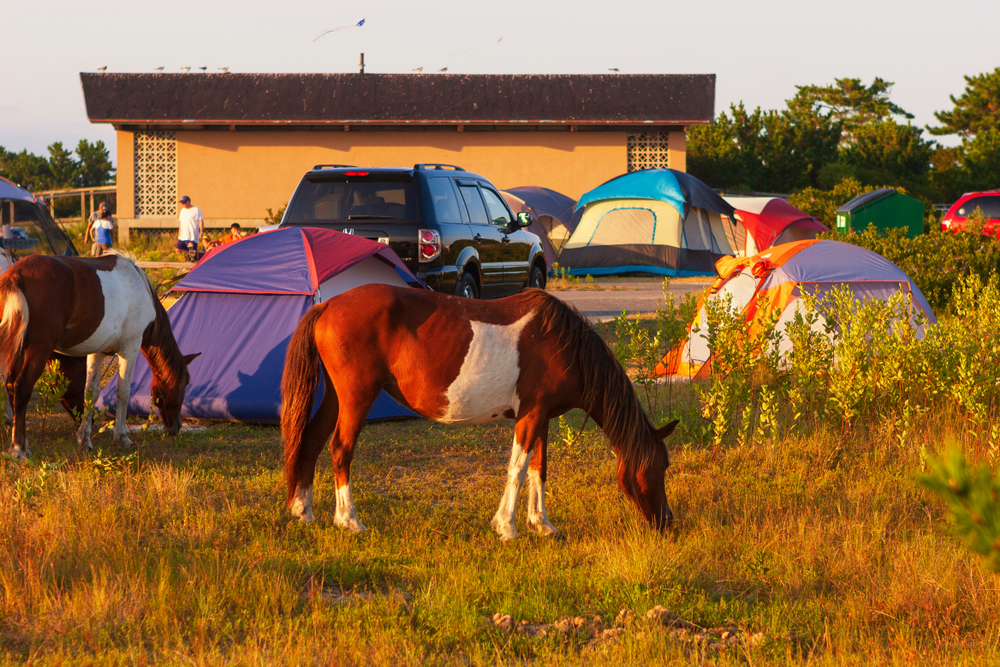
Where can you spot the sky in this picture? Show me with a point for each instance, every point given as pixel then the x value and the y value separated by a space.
pixel 759 51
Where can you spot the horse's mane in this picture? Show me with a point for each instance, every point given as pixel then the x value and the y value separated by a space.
pixel 604 381
pixel 158 342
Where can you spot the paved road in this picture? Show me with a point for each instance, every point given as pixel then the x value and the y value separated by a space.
pixel 635 297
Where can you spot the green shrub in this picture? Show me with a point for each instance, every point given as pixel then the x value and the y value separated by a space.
pixel 853 364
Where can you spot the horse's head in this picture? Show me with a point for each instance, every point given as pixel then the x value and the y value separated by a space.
pixel 168 396
pixel 646 486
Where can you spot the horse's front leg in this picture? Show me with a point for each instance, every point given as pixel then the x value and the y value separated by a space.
pixel 525 440
pixel 95 362
pixel 538 520
pixel 126 364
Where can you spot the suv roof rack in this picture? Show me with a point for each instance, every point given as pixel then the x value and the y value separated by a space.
pixel 436 166
pixel 334 166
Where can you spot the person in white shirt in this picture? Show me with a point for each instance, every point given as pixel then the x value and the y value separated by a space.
pixel 191 221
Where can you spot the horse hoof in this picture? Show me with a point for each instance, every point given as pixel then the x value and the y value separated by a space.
pixel 18 453
pixel 352 526
pixel 305 515
pixel 505 530
pixel 123 442
pixel 543 529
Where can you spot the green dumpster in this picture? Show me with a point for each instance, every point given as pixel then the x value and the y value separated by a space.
pixel 886 209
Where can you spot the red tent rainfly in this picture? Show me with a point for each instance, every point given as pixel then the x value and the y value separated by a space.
pixel 772 221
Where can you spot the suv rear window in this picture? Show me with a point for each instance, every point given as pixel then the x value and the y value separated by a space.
pixel 337 199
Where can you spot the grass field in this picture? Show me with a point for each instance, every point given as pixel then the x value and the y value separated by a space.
pixel 823 549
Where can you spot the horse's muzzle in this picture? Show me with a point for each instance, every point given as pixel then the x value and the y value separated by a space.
pixel 664 520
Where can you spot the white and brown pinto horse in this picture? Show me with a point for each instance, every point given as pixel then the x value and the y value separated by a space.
pixel 528 357
pixel 74 368
pixel 86 307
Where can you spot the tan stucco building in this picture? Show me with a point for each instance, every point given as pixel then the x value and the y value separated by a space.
pixel 238 144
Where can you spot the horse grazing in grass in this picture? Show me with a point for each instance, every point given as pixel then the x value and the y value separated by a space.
pixel 528 357
pixel 74 368
pixel 93 307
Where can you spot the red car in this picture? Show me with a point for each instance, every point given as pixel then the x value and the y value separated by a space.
pixel 958 215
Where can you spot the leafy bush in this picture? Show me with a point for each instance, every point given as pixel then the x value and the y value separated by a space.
pixel 852 364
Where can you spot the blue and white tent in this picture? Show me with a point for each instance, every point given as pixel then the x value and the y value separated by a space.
pixel 656 221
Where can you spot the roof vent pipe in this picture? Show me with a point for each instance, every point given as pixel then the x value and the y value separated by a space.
pixel 361 64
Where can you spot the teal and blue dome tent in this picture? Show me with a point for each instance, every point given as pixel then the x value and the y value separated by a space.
pixel 655 220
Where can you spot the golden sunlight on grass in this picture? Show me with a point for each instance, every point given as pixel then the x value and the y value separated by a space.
pixel 825 546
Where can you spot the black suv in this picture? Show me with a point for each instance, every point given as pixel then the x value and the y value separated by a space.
pixel 450 227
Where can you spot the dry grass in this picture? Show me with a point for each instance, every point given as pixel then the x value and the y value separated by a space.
pixel 826 545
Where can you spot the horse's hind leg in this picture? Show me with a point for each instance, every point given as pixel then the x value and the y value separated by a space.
pixel 351 419
pixel 317 431
pixel 95 362
pixel 20 395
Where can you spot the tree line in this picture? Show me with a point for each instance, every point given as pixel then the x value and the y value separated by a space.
pixel 88 166
pixel 852 133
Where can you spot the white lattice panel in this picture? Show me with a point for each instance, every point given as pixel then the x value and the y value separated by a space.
pixel 155 173
pixel 647 150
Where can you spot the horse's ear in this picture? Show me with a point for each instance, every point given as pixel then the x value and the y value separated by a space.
pixel 666 429
pixel 188 358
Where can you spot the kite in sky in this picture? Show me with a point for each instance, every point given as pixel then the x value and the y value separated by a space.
pixel 343 27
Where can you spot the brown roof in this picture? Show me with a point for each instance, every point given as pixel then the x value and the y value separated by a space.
pixel 399 98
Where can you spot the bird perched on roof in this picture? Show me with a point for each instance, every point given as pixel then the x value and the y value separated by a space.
pixel 203 69
pixel 159 69
pixel 102 69
pixel 613 69
pixel 185 69
pixel 443 69
pixel 418 69
pixel 224 70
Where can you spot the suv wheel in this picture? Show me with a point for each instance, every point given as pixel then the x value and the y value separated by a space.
pixel 467 287
pixel 537 279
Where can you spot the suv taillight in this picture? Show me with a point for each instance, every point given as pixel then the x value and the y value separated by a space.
pixel 428 244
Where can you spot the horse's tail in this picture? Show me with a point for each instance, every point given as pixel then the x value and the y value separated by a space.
pixel 298 388
pixel 13 322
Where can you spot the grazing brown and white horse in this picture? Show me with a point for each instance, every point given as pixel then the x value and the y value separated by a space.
pixel 93 307
pixel 74 368
pixel 528 357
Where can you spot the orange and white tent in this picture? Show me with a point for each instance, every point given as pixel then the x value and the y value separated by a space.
pixel 776 279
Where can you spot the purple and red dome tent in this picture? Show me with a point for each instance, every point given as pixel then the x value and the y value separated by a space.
pixel 239 307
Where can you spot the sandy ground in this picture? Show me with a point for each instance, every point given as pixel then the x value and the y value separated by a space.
pixel 634 294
